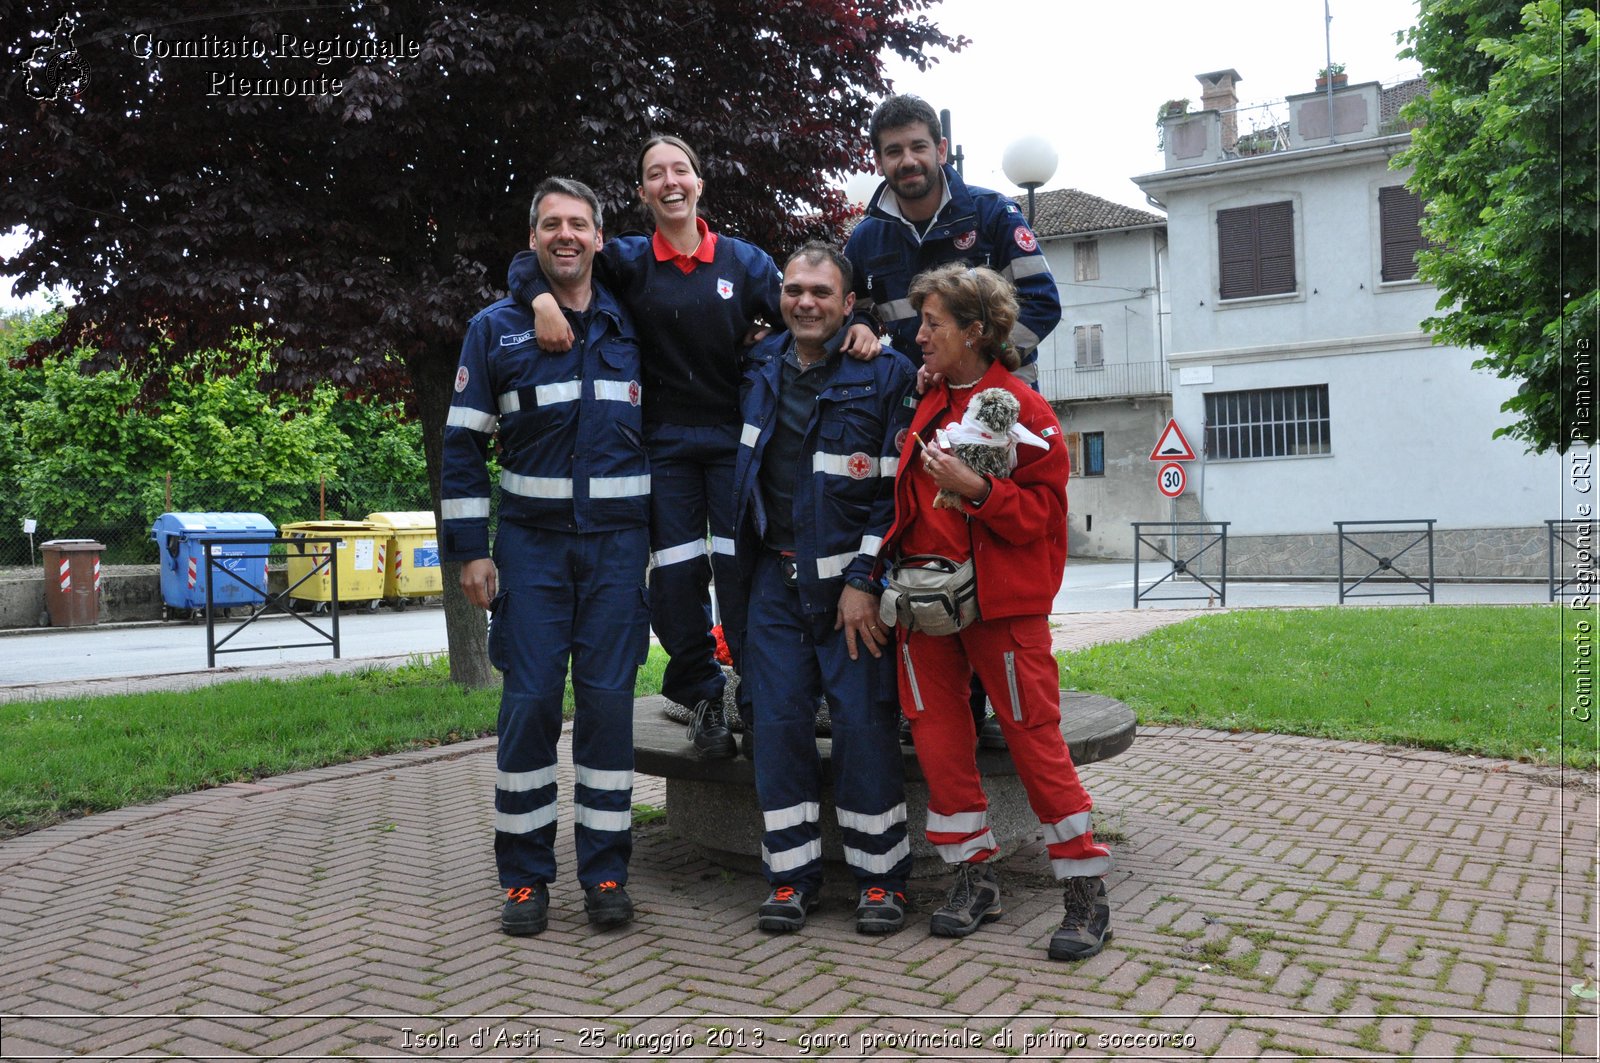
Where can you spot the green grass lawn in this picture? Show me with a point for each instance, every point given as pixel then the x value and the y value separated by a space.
pixel 69 757
pixel 1469 679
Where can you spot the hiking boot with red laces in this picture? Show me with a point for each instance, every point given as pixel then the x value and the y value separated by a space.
pixel 880 911
pixel 526 911
pixel 607 905
pixel 785 909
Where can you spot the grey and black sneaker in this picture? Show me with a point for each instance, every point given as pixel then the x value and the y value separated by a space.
pixel 785 909
pixel 974 900
pixel 708 730
pixel 607 904
pixel 1086 926
pixel 990 736
pixel 526 911
pixel 880 911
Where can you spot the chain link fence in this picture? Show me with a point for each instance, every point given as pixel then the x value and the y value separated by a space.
pixel 120 515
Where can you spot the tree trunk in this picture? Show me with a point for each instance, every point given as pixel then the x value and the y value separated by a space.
pixel 465 625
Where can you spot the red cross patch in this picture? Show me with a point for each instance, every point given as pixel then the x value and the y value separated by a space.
pixel 858 465
pixel 900 439
pixel 461 379
pixel 633 393
pixel 1025 239
pixel 965 241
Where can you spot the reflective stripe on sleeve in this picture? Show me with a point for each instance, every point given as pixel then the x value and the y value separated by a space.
pixel 1025 266
pixel 829 567
pixel 871 544
pixel 889 467
pixel 467 417
pixel 748 435
pixel 511 402
pixel 464 508
pixel 1023 337
pixel 618 486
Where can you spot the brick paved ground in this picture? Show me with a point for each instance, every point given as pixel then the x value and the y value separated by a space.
pixel 1275 897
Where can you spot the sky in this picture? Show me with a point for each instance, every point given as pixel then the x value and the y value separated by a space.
pixel 1089 77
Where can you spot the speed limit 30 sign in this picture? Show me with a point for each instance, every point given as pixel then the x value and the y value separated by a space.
pixel 1171 480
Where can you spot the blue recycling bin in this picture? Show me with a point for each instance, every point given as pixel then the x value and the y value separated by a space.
pixel 180 539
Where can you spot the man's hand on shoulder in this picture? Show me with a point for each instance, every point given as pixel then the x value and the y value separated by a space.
pixel 861 342
pixel 552 333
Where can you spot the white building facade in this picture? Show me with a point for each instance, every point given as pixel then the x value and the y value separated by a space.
pixel 1301 373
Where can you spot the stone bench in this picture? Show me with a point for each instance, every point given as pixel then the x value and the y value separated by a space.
pixel 712 803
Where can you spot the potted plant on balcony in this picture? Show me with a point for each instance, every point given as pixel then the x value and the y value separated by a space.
pixel 1170 109
pixel 1334 73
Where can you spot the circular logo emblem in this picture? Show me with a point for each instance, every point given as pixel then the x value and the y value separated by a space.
pixel 461 379
pixel 965 241
pixel 1025 239
pixel 858 465
pixel 900 439
pixel 633 393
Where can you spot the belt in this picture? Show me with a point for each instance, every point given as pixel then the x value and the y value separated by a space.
pixel 788 566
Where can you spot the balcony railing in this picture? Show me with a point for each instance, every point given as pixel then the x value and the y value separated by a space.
pixel 1117 380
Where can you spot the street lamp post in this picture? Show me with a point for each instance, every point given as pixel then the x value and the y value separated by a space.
pixel 1029 163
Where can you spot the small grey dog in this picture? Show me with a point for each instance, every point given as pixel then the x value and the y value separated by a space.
pixel 992 413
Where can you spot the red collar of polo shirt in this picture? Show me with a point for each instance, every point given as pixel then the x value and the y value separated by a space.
pixel 707 250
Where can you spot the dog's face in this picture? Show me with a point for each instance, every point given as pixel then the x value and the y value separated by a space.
pixel 996 409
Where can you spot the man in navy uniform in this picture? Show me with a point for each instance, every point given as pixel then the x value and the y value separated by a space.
pixel 566 582
pixel 814 495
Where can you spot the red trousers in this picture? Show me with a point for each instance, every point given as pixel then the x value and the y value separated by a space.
pixel 1012 657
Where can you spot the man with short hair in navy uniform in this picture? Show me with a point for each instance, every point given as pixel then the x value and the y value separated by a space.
pixel 814 495
pixel 924 215
pixel 566 582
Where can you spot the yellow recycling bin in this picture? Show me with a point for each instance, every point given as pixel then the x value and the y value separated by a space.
pixel 355 558
pixel 408 555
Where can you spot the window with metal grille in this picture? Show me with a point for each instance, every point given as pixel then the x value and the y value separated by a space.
pixel 1094 454
pixel 1087 340
pixel 1268 423
pixel 1400 232
pixel 1255 250
pixel 1086 260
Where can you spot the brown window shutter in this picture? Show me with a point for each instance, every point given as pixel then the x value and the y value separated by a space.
pixel 1400 232
pixel 1275 238
pixel 1255 249
pixel 1236 251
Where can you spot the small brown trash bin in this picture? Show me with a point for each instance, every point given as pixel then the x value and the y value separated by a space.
pixel 72 581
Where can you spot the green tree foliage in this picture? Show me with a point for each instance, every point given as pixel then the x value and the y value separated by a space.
pixel 1505 159
pixel 81 457
pixel 360 203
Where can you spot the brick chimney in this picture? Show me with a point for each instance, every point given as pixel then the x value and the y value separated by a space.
pixel 1216 94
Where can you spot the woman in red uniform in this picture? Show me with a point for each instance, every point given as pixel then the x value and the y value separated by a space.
pixel 1015 530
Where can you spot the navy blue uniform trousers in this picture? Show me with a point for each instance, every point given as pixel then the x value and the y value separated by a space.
pixel 579 597
pixel 793 656
pixel 691 485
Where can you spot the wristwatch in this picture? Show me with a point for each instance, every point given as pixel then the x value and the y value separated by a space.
pixel 861 583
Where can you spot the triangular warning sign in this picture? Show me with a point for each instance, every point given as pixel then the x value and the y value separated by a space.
pixel 1172 446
